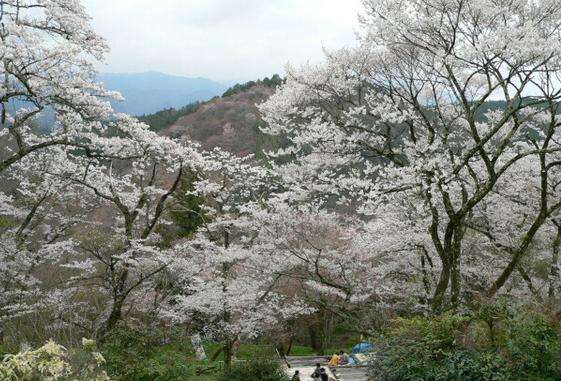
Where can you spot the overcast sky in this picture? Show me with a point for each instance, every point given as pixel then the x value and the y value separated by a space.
pixel 220 39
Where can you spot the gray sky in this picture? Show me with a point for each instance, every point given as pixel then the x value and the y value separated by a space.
pixel 221 39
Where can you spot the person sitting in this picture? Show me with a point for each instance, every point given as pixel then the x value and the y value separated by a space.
pixel 334 360
pixel 316 376
pixel 296 376
pixel 343 358
pixel 323 374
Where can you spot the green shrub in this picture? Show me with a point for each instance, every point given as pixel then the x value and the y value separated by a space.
pixel 148 355
pixel 534 347
pixel 496 344
pixel 263 369
pixel 3 352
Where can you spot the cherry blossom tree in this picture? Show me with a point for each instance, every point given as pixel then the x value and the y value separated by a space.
pixel 95 157
pixel 403 123
pixel 317 257
pixel 38 213
pixel 222 278
pixel 137 194
pixel 46 54
pixel 46 70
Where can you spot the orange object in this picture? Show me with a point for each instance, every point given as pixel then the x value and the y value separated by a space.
pixel 334 360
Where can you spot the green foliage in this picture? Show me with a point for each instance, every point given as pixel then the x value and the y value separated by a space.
pixel 273 82
pixel 249 351
pixel 45 362
pixel 534 345
pixel 516 345
pixel 87 362
pixel 148 354
pixel 3 352
pixel 165 118
pixel 189 215
pixel 143 354
pixel 5 223
pixel 300 350
pixel 258 368
pixel 265 143
pixel 186 213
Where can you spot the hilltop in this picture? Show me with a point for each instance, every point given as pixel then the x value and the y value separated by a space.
pixel 231 121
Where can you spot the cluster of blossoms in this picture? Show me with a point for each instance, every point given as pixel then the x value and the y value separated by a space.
pixel 87 187
pixel 442 129
pixel 51 362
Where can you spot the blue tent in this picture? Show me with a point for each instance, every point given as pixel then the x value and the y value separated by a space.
pixel 363 348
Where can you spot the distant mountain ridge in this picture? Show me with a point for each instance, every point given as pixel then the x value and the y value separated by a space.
pixel 150 92
pixel 230 122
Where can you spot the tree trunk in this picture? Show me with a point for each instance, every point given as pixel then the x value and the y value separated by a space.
pixel 456 276
pixel 557 317
pixel 315 341
pixel 289 347
pixel 326 329
pixel 426 260
pixel 530 234
pixel 450 275
pixel 517 256
pixel 554 272
pixel 449 250
pixel 228 353
pixel 455 283
pixel 441 287
pixel 114 317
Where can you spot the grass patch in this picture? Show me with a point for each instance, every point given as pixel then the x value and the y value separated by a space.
pixel 153 355
pixel 300 350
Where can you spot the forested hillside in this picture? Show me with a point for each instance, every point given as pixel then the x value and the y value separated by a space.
pixel 231 121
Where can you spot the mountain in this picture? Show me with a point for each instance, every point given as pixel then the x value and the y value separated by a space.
pixel 147 93
pixel 230 122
